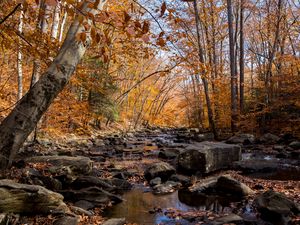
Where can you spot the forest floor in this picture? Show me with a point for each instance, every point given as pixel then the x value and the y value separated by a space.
pixel 104 178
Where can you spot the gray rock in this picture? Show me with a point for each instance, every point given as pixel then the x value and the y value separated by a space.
pixel 275 206
pixel 241 139
pixel 229 185
pixel 65 164
pixel 63 220
pixel 295 145
pixel 162 169
pixel 231 218
pixel 24 198
pixel 204 137
pixel 80 211
pixel 205 157
pixel 155 181
pixel 269 138
pixel 169 153
pixel 86 205
pixel 165 188
pixel 115 221
pixel 279 148
pixel 184 180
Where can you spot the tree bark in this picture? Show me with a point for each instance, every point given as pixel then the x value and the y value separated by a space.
pixel 16 127
pixel 20 57
pixel 242 52
pixel 55 24
pixel 233 72
pixel 204 80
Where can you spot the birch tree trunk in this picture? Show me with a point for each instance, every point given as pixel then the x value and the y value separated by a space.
pixel 43 26
pixel 62 26
pixel 55 24
pixel 22 120
pixel 20 57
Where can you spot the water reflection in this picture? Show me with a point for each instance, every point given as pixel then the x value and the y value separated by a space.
pixel 138 203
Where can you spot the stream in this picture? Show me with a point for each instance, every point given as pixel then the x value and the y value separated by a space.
pixel 141 206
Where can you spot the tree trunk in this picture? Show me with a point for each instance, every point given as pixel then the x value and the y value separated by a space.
pixel 204 80
pixel 22 120
pixel 62 26
pixel 20 57
pixel 233 74
pixel 55 24
pixel 242 66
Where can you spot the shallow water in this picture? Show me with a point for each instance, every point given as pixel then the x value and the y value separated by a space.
pixel 139 201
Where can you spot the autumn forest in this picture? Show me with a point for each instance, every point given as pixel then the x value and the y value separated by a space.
pixel 143 74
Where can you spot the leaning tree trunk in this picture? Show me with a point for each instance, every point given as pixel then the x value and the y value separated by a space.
pixel 22 120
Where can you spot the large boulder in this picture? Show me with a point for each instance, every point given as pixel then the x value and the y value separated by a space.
pixel 162 169
pixel 65 164
pixel 24 198
pixel 232 186
pixel 241 139
pixel 276 207
pixel 208 156
pixel 224 184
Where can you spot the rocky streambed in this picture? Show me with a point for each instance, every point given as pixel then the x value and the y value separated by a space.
pixel 162 176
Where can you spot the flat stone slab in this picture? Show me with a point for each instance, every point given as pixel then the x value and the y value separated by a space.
pixel 76 165
pixel 29 199
pixel 206 157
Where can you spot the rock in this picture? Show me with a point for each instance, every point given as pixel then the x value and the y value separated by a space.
pixel 241 139
pixel 165 188
pixel 3 219
pixel 155 181
pixel 162 169
pixel 90 181
pixel 258 165
pixel 279 148
pixel 276 207
pixel 269 139
pixel 229 219
pixel 229 185
pixel 120 184
pixel 99 142
pixel 204 184
pixel 63 220
pixel 204 137
pixel 295 145
pixel 80 211
pixel 95 195
pixel 115 221
pixel 24 198
pixel 65 164
pixel 207 157
pixel 84 204
pixel 169 153
pixel 184 180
